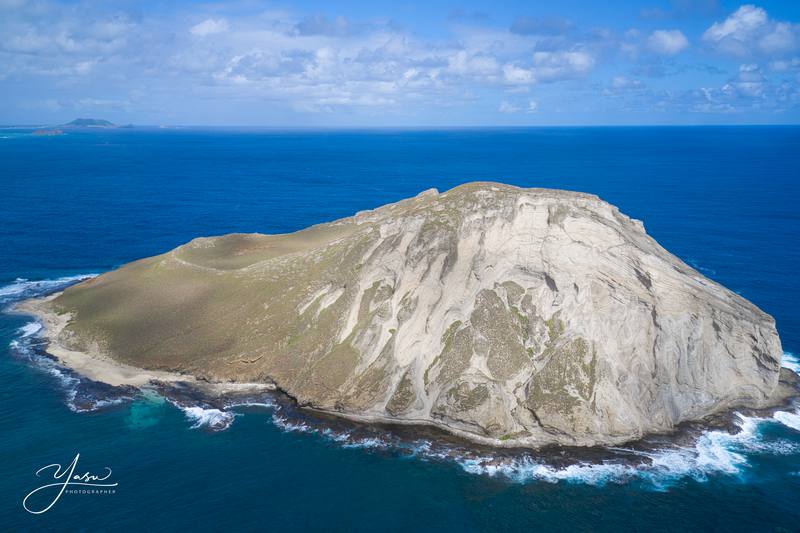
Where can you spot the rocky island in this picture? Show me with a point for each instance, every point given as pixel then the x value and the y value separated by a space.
pixel 509 316
pixel 90 123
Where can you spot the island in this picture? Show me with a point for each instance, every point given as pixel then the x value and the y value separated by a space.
pixel 78 124
pixel 509 316
pixel 90 123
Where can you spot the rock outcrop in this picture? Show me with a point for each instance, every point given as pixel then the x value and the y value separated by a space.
pixel 513 316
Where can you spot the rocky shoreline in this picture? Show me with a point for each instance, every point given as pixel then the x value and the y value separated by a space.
pixel 104 382
pixel 552 462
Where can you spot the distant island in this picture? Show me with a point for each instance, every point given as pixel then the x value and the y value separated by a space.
pixel 90 123
pixel 79 123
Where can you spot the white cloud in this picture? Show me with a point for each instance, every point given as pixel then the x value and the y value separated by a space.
pixel 782 38
pixel 667 42
pixel 749 82
pixel 549 67
pixel 209 27
pixel 621 82
pixel 561 63
pixel 749 31
pixel 748 91
pixel 517 75
pixel 274 63
pixel 315 63
pixel 465 63
pixel 784 65
pixel 624 87
pixel 744 22
pixel 508 108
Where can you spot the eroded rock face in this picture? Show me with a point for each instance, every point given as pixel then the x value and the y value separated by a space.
pixel 527 316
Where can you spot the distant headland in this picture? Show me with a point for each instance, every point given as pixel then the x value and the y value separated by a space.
pixel 79 124
pixel 90 123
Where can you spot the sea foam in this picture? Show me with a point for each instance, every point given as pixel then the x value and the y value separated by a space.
pixel 29 346
pixel 30 329
pixel 22 288
pixel 791 420
pixel 211 418
pixel 713 453
pixel 78 394
pixel 791 361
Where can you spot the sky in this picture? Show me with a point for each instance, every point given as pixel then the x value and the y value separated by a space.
pixel 400 63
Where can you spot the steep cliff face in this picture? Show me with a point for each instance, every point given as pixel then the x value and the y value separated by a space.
pixel 527 316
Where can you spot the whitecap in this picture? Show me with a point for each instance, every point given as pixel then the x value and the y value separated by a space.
pixel 291 427
pixel 418 448
pixel 791 420
pixel 89 405
pixel 266 404
pixel 335 436
pixel 68 381
pixel 23 348
pixel 211 418
pixel 370 442
pixel 30 329
pixel 791 361
pixel 108 402
pixel 527 468
pixel 714 452
pixel 343 438
pixel 22 288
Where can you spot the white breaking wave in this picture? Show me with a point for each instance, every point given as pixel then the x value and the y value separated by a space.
pixel 30 329
pixel 791 361
pixel 371 442
pixel 67 381
pixel 290 427
pixel 48 365
pixel 526 469
pixel 336 436
pixel 714 452
pixel 343 438
pixel 791 420
pixel 212 418
pixel 22 288
pixel 267 404
pixel 27 337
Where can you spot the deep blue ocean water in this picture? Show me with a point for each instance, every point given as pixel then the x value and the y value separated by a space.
pixel 723 199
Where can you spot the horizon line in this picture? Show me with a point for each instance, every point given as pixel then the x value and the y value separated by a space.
pixel 399 127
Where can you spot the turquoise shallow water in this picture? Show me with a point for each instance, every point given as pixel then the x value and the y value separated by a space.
pixel 723 199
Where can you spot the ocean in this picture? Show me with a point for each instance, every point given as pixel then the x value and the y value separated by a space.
pixel 724 199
